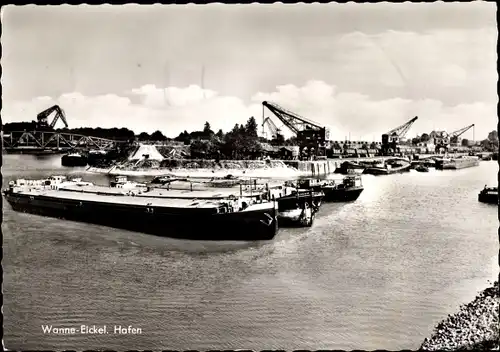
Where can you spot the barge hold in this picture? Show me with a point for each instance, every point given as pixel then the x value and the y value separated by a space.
pixel 346 191
pixel 488 195
pixel 457 163
pixel 144 210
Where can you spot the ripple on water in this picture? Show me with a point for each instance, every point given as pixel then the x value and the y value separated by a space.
pixel 377 273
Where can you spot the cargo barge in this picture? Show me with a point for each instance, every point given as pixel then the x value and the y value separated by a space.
pixel 346 191
pixel 147 210
pixel 388 167
pixel 457 163
pixel 488 195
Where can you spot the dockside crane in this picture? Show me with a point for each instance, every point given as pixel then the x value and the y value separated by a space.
pixel 391 139
pixel 42 118
pixel 309 134
pixel 276 136
pixel 452 138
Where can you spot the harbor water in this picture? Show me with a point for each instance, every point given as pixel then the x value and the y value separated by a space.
pixel 378 273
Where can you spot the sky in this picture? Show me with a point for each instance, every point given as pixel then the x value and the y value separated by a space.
pixel 360 69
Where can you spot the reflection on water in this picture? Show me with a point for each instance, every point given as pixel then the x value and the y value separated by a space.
pixel 377 273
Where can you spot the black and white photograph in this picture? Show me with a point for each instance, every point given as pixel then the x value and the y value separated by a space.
pixel 308 176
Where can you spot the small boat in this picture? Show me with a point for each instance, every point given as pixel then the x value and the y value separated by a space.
pixel 74 159
pixel 390 166
pixel 488 195
pixel 296 207
pixel 422 168
pixel 350 167
pixel 348 190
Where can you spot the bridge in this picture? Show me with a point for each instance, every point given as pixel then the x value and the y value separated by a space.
pixel 34 141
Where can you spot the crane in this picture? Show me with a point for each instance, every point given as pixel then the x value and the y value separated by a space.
pixel 272 127
pixel 453 137
pixel 276 136
pixel 309 133
pixel 447 139
pixel 44 115
pixel 391 139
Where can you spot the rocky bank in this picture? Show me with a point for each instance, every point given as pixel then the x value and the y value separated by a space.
pixel 474 327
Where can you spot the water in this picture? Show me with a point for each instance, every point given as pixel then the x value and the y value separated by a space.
pixel 378 273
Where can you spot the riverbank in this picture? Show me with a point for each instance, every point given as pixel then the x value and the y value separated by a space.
pixel 475 326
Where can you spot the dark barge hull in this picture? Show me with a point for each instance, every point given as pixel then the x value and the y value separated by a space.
pixel 69 160
pixel 342 195
pixel 194 223
pixel 488 198
pixel 384 171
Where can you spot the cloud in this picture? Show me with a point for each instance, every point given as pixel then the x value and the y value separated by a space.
pixel 173 110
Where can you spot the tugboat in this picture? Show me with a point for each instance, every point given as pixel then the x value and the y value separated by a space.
pixel 74 159
pixel 348 190
pixel 296 207
pixel 488 195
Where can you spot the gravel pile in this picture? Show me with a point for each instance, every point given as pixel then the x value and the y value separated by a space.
pixel 475 326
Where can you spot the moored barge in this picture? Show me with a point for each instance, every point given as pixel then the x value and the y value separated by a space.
pixel 488 195
pixel 349 189
pixel 389 166
pixel 147 210
pixel 457 163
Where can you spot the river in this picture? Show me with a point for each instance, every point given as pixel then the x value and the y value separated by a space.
pixel 378 273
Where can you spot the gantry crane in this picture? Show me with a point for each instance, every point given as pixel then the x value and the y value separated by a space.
pixel 309 134
pixel 452 138
pixel 44 115
pixel 391 139
pixel 276 136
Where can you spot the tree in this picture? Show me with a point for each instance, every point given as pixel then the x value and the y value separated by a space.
pixel 251 127
pixel 465 142
pixel 493 137
pixel 220 134
pixel 206 129
pixel 158 136
pixel 424 138
pixel 183 137
pixel 143 136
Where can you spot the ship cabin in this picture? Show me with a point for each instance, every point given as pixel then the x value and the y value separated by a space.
pixel 123 182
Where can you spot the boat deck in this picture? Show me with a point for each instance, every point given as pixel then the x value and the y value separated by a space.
pixel 197 193
pixel 210 198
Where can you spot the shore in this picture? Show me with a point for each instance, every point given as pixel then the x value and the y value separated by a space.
pixel 474 327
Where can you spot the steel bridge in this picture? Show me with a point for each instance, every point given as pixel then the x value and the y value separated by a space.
pixel 18 141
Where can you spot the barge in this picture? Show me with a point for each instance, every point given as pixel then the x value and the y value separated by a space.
pixel 389 166
pixel 346 191
pixel 148 210
pixel 74 159
pixel 488 195
pixel 457 163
